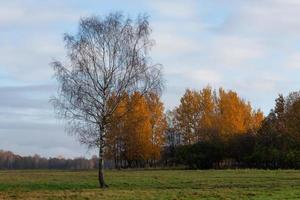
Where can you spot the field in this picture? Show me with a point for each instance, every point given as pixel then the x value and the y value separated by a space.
pixel 151 184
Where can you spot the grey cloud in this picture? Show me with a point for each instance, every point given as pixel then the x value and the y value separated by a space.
pixel 24 13
pixel 28 126
pixel 43 142
pixel 33 96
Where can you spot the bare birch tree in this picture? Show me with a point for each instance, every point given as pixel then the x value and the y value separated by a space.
pixel 107 57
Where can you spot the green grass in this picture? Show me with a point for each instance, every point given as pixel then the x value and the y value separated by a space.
pixel 151 184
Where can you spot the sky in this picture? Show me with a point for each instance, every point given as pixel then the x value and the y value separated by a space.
pixel 252 47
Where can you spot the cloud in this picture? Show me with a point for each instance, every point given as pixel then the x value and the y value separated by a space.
pixel 204 75
pixel 168 44
pixel 26 97
pixel 175 9
pixel 44 142
pixel 197 76
pixel 293 61
pixel 28 60
pixel 28 125
pixel 235 51
pixel 15 13
pixel 265 18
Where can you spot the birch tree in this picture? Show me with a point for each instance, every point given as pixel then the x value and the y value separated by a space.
pixel 107 57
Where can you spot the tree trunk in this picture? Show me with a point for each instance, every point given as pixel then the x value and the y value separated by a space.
pixel 101 170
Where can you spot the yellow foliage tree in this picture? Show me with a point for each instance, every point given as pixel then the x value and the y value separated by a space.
pixel 201 114
pixel 187 116
pixel 208 113
pixel 137 140
pixel 233 113
pixel 115 136
pixel 158 125
pixel 136 130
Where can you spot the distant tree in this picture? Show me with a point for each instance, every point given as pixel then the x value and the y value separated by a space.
pixel 116 132
pixel 269 142
pixel 158 125
pixel 107 57
pixel 172 136
pixel 137 130
pixel 292 116
pixel 172 139
pixel 137 136
pixel 188 117
pixel 241 148
pixel 279 111
pixel 9 160
pixel 256 120
pixel 206 115
pixel 278 141
pixel 201 155
pixel 234 114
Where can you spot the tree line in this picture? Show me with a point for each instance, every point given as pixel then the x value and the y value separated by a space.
pixel 210 130
pixel 9 160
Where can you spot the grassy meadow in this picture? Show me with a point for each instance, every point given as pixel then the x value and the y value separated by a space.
pixel 151 184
